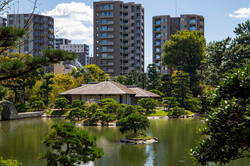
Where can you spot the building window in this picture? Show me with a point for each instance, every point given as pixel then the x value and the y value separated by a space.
pixel 183 19
pixel 157 36
pixel 183 26
pixel 104 28
pixel 158 29
pixel 104 21
pixel 104 41
pixel 107 14
pixel 192 28
pixel 104 48
pixel 157 43
pixel 157 22
pixel 164 20
pixel 193 21
pixel 106 7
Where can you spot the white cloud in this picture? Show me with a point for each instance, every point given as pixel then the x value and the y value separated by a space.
pixel 241 13
pixel 73 21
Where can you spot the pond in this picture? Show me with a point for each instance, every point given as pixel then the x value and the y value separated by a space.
pixel 21 140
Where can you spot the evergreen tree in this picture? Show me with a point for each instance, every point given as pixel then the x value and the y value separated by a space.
pixel 181 90
pixel 69 145
pixel 153 76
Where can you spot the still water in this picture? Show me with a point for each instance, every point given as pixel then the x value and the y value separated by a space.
pixel 21 140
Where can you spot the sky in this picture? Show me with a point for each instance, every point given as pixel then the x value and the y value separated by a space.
pixel 74 18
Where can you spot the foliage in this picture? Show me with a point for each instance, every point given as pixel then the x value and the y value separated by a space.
pixel 170 102
pixel 166 84
pixel 153 76
pixel 76 114
pixel 193 104
pixel 178 111
pixel 138 136
pixel 23 108
pixel 181 90
pixel 107 117
pixel 223 56
pixel 46 87
pixel 12 67
pixel 186 50
pixel 149 104
pixel 157 92
pixel 9 162
pixel 106 101
pixel 69 145
pixel 78 104
pixel 61 103
pixel 89 73
pixel 227 126
pixel 39 105
pixel 143 80
pixel 3 92
pixel 134 122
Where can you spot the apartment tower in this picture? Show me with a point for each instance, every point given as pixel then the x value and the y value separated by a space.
pixel 82 50
pixel 164 26
pixel 39 32
pixel 119 37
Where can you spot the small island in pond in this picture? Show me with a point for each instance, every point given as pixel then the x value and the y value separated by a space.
pixel 138 139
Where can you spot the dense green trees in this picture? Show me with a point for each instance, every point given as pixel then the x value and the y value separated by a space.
pixel 228 124
pixel 61 103
pixel 149 104
pixel 153 77
pixel 68 145
pixel 223 56
pixel 134 122
pixel 185 51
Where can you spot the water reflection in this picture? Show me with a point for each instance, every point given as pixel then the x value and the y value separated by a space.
pixel 21 140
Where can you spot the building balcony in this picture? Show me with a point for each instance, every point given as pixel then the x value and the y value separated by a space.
pixel 110 70
pixel 192 21
pixel 107 23
pixel 107 57
pixel 108 50
pixel 107 44
pixel 108 37
pixel 108 29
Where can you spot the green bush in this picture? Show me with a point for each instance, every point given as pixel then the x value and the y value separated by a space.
pixel 193 104
pixel 134 122
pixel 79 104
pixel 170 102
pixel 149 104
pixel 106 101
pixel 23 108
pixel 39 105
pixel 178 111
pixel 61 103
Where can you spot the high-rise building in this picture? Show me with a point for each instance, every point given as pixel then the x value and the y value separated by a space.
pixel 82 50
pixel 119 37
pixel 39 32
pixel 164 26
pixel 60 41
pixel 3 21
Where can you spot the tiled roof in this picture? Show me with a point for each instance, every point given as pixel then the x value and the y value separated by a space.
pixel 109 88
pixel 104 88
pixel 143 93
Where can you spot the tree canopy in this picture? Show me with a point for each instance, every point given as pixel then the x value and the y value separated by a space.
pixel 69 145
pixel 227 126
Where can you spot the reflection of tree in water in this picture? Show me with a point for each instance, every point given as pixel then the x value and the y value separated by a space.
pixel 133 154
pixel 23 138
pixel 175 137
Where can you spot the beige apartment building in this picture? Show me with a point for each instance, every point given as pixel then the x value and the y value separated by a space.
pixel 164 26
pixel 119 37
